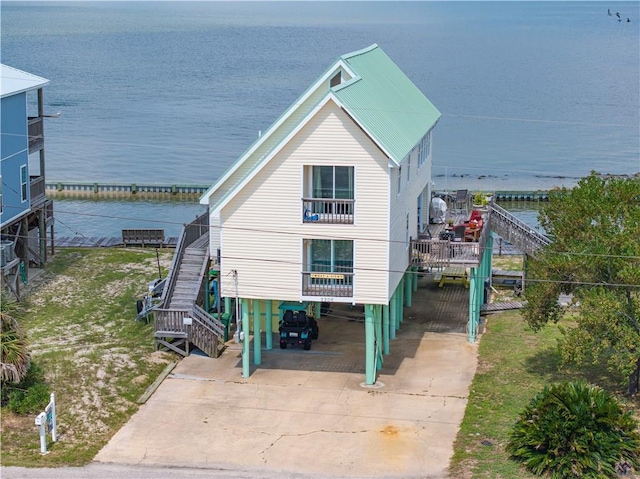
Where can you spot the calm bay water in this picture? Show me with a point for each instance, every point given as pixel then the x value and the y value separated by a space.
pixel 533 94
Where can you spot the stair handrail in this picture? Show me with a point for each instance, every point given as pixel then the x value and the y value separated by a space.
pixel 187 237
pixel 198 323
pixel 172 319
pixel 213 323
pixel 504 215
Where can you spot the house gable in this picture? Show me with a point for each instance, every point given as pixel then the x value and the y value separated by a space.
pixel 262 226
pixel 379 98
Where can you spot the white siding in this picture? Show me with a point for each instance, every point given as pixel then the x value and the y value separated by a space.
pixel 263 231
pixel 214 235
pixel 400 206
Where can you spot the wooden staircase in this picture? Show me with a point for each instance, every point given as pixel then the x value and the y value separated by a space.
pixel 180 322
pixel 187 286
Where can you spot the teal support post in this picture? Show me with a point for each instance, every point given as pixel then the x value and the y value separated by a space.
pixel 257 335
pixel 400 303
pixel 370 354
pixel 488 256
pixel 479 297
pixel 317 309
pixel 227 306
pixel 414 279
pixel 268 325
pixel 385 329
pixel 407 288
pixel 473 295
pixel 378 331
pixel 393 314
pixel 245 343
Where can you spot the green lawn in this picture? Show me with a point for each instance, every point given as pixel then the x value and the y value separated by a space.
pixel 98 360
pixel 80 323
pixel 514 364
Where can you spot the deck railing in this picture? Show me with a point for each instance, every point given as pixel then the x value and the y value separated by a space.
pixel 36 134
pixel 516 231
pixel 327 210
pixel 327 284
pixel 203 331
pixel 430 254
pixel 37 190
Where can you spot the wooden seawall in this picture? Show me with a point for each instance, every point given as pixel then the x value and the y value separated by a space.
pixel 107 190
pixel 84 189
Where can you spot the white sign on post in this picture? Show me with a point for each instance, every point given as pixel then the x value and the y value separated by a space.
pixel 46 422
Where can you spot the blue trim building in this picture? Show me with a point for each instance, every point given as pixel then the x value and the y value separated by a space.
pixel 25 212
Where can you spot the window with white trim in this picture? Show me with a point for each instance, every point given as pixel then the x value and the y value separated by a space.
pixel 24 183
pixel 407 231
pixel 423 149
pixel 408 168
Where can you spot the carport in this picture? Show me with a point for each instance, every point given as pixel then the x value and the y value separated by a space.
pixel 417 303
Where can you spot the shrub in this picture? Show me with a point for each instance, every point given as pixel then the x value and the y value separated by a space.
pixel 32 400
pixel 31 395
pixel 575 430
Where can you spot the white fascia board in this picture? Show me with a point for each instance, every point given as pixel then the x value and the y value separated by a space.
pixel 204 199
pixel 275 151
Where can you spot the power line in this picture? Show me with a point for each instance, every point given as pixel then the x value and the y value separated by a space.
pixel 300 235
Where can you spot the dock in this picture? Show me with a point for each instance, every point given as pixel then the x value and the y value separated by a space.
pixel 80 241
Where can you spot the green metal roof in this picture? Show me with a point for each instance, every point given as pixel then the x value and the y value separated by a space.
pixel 385 102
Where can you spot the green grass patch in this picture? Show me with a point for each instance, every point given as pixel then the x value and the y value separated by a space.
pixel 512 262
pixel 97 359
pixel 514 365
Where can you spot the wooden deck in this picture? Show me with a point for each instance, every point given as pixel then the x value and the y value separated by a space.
pixel 80 241
pixel 497 307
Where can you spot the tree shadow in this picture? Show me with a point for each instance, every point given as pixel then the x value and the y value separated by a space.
pixel 547 364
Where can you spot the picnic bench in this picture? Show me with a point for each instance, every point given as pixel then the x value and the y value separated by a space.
pixel 452 275
pixel 143 237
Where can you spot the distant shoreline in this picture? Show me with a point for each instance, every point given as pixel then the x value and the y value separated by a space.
pixel 113 190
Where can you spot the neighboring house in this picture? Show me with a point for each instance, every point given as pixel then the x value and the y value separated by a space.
pixel 322 207
pixel 25 212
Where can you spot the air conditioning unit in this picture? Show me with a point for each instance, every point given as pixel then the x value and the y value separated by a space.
pixel 7 254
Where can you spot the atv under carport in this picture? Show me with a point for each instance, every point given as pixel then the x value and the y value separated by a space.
pixel 296 327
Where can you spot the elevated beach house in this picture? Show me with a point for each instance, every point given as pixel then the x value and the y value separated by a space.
pixel 25 212
pixel 322 207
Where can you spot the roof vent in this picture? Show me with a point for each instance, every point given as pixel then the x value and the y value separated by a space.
pixel 336 80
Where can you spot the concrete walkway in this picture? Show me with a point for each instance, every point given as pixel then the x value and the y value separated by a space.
pixel 307 412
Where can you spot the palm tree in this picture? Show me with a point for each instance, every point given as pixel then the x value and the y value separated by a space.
pixel 15 360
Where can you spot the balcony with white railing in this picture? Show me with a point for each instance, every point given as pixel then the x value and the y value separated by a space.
pixel 327 210
pixel 327 285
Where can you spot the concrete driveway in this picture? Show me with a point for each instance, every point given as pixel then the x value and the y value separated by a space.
pixel 307 412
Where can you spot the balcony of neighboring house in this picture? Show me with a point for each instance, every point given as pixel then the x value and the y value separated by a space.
pixel 37 190
pixel 329 195
pixel 36 134
pixel 328 268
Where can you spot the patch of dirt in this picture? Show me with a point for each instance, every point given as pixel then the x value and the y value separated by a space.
pixel 85 358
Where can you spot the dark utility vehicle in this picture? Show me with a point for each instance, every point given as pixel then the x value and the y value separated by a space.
pixel 297 328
